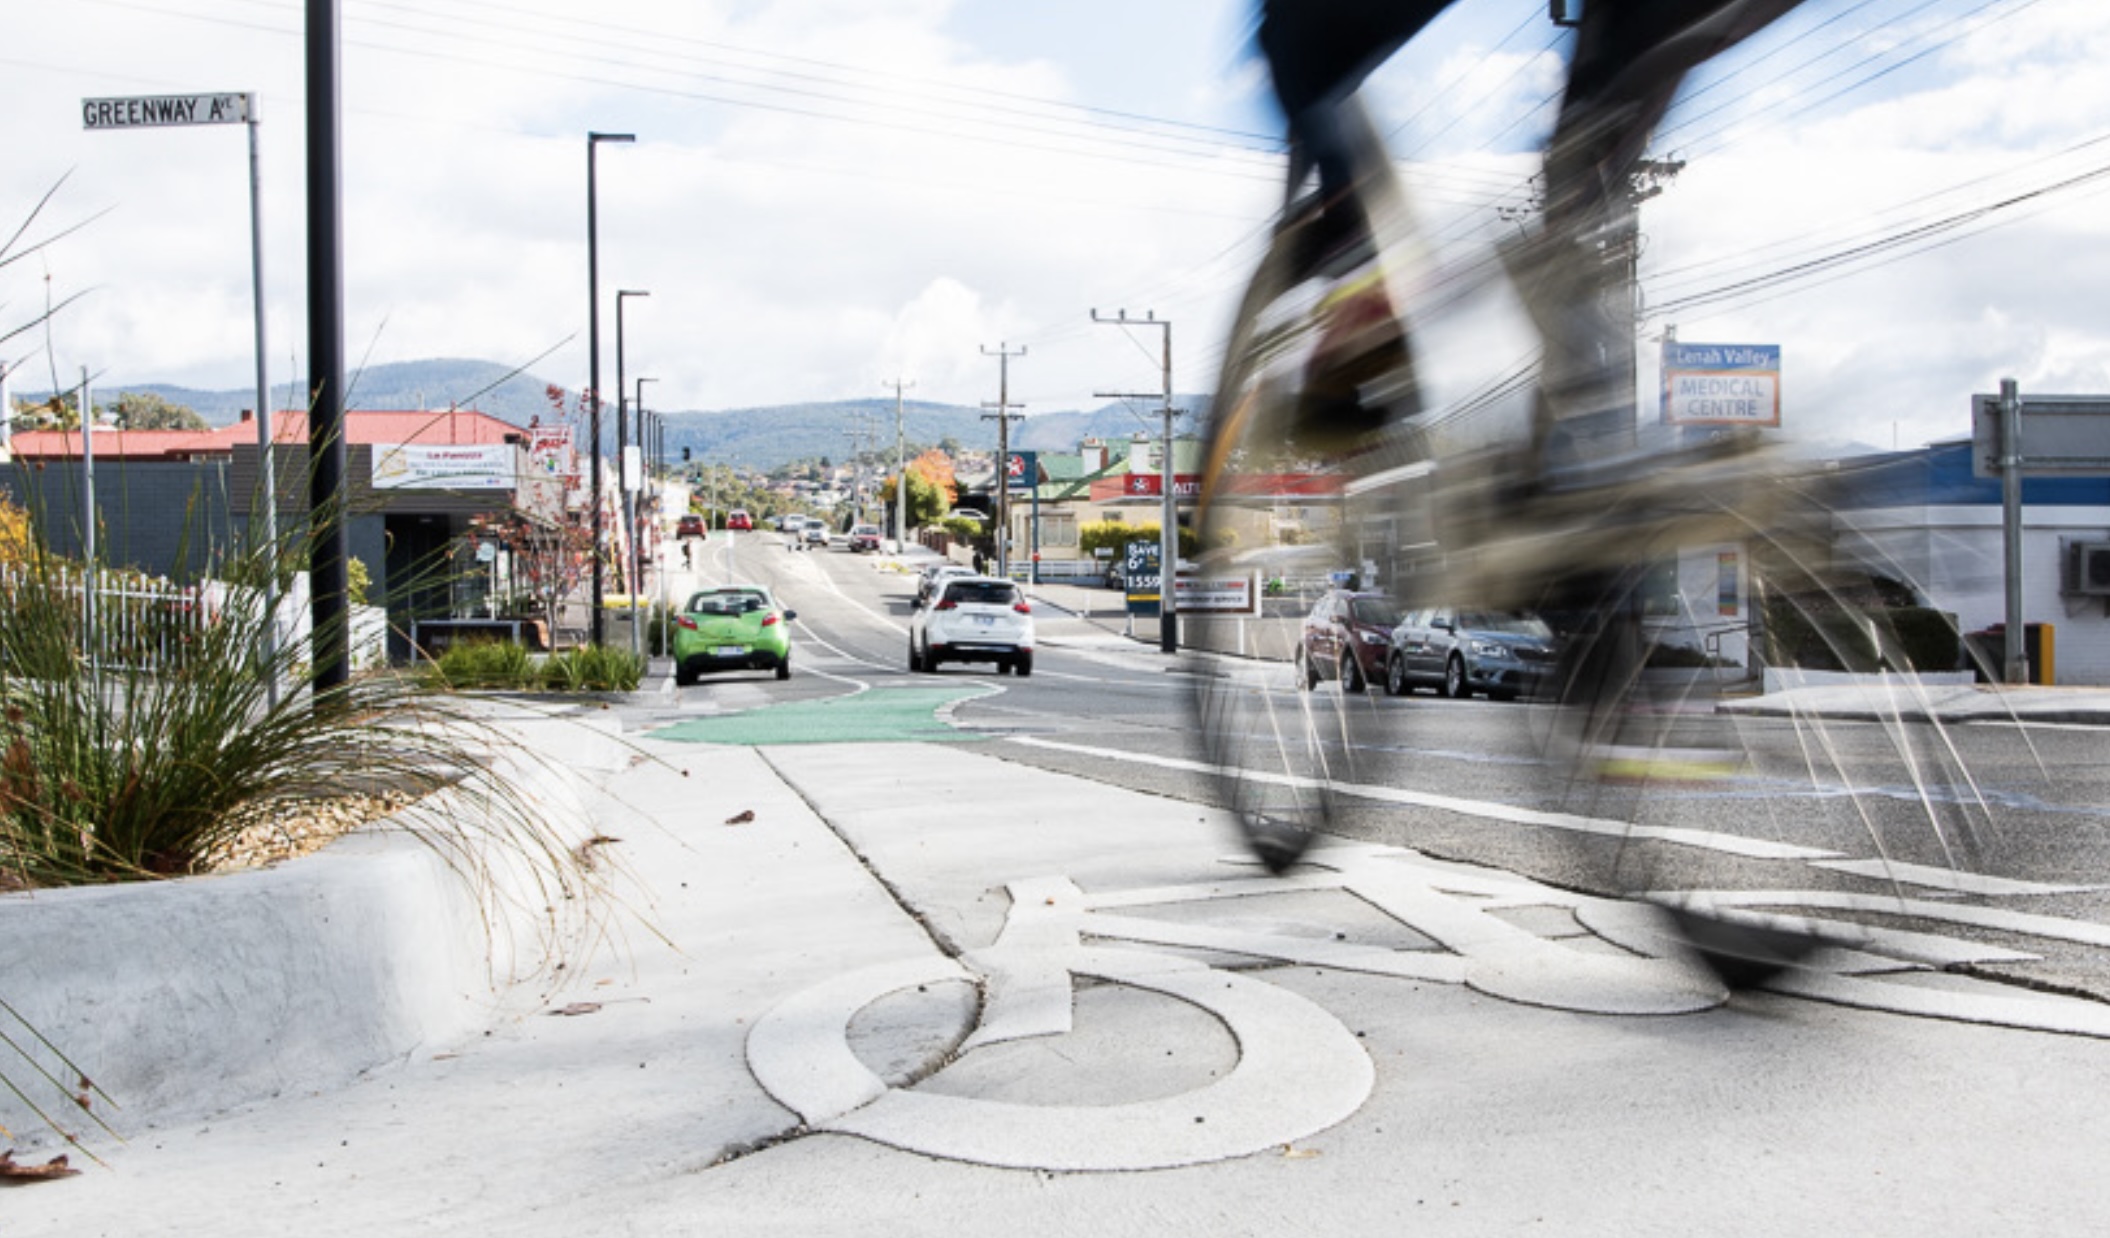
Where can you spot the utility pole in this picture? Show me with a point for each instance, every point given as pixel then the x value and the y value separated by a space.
pixel 1168 526
pixel 1003 417
pixel 900 470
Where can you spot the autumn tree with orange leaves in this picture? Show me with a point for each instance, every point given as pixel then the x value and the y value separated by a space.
pixel 932 489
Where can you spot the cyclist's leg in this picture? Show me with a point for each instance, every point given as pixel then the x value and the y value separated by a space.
pixel 1319 52
pixel 1630 58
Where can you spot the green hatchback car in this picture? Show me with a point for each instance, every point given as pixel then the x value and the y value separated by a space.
pixel 731 628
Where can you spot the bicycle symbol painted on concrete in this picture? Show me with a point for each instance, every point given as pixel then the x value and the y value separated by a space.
pixel 1299 1070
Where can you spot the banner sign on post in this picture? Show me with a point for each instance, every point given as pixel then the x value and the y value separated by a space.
pixel 400 466
pixel 1140 569
pixel 155 111
pixel 1022 470
pixel 550 453
pixel 1721 384
pixel 1218 595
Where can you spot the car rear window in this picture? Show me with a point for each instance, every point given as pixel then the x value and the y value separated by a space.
pixel 984 592
pixel 725 603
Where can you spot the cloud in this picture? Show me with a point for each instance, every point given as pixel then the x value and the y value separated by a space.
pixel 830 193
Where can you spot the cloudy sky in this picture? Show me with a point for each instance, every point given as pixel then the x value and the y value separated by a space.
pixel 1907 196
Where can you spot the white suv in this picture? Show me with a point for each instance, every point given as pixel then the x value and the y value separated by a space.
pixel 972 619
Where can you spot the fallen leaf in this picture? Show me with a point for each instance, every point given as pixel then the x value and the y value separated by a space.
pixel 577 1008
pixel 1298 1154
pixel 10 1171
pixel 742 819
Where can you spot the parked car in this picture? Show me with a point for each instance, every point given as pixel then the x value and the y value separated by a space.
pixel 972 619
pixel 1458 652
pixel 737 519
pixel 864 538
pixel 690 526
pixel 731 628
pixel 1347 636
pixel 927 580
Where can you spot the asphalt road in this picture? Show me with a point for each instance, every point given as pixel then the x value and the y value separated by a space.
pixel 1878 819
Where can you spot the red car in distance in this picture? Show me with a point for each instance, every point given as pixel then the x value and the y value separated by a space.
pixel 737 519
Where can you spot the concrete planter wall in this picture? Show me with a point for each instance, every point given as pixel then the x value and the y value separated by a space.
pixel 185 998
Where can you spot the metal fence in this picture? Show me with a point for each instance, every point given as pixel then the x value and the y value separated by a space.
pixel 121 620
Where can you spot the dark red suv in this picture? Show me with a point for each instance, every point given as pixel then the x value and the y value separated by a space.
pixel 1347 636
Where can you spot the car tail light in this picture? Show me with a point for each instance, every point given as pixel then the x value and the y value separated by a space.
pixel 768 619
pixel 1023 609
pixel 686 622
pixel 947 604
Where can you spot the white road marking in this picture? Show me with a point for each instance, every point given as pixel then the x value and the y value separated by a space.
pixel 1934 878
pixel 1750 848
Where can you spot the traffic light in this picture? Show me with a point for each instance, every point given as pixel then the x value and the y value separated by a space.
pixel 686 455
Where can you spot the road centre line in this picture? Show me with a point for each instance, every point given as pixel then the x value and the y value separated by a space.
pixel 1750 848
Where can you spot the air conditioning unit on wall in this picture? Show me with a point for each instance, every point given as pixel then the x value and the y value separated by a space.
pixel 2088 569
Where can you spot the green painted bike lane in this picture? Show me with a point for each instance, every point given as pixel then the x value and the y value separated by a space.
pixel 874 716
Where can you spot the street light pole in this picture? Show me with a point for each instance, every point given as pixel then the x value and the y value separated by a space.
pixel 900 471
pixel 629 471
pixel 1003 414
pixel 593 363
pixel 1168 531
pixel 645 478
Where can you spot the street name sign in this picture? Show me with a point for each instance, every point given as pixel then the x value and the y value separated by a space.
pixel 156 111
pixel 2061 436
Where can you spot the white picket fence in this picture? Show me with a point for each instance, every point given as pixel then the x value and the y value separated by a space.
pixel 150 623
pixel 142 623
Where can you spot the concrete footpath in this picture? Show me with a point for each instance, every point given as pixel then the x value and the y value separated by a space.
pixel 834 997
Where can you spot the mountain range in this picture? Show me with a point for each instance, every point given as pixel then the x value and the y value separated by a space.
pixel 754 438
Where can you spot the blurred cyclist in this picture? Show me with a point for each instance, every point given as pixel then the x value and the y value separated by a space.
pixel 1629 58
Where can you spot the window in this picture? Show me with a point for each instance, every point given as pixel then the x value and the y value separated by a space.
pixel 982 593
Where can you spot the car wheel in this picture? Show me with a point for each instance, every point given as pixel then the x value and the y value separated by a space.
pixel 1454 685
pixel 1396 677
pixel 784 667
pixel 1352 674
pixel 915 660
pixel 930 661
pixel 1307 674
pixel 684 679
pixel 1024 665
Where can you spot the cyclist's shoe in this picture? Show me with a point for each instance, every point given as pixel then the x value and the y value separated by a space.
pixel 1360 346
pixel 1276 844
pixel 1745 955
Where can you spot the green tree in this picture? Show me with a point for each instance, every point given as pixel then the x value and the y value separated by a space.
pixel 143 410
pixel 58 412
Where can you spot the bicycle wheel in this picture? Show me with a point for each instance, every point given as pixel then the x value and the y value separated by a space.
pixel 1280 751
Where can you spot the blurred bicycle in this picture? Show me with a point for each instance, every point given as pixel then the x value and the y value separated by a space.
pixel 1571 514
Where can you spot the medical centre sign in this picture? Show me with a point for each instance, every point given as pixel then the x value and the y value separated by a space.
pixel 1721 384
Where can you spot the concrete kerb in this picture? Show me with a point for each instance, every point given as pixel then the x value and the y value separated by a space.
pixel 1890 701
pixel 190 997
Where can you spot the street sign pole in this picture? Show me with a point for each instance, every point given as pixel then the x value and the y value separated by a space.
pixel 2043 436
pixel 2015 668
pixel 225 108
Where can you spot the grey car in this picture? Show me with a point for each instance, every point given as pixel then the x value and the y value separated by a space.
pixel 1459 651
